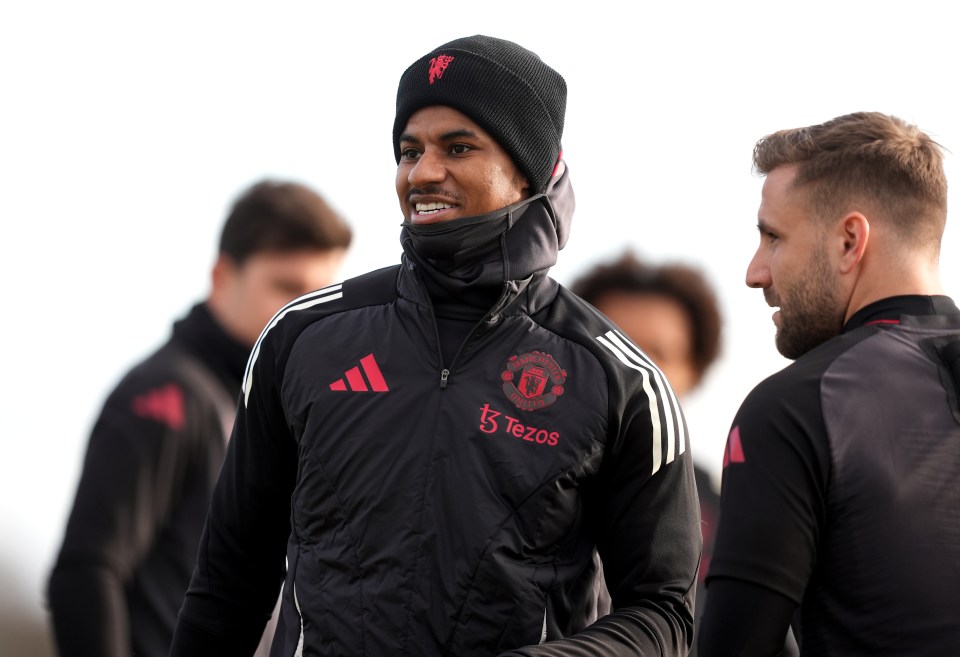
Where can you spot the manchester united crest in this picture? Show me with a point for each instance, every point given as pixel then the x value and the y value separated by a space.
pixel 532 381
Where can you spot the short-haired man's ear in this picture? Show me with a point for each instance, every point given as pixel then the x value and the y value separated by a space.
pixel 224 270
pixel 855 233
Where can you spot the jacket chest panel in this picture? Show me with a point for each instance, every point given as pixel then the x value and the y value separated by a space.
pixel 518 411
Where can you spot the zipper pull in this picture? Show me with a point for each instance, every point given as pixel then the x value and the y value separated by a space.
pixel 444 375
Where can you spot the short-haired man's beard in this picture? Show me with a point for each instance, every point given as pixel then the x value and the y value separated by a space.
pixel 810 312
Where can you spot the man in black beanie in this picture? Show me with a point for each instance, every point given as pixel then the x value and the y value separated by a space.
pixel 428 456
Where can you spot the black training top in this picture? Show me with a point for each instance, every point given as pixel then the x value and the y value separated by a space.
pixel 152 460
pixel 840 495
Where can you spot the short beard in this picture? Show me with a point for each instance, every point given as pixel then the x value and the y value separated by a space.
pixel 813 313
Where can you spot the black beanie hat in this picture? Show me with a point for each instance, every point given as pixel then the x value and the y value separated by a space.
pixel 503 87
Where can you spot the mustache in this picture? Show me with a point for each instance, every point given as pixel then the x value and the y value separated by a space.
pixel 434 190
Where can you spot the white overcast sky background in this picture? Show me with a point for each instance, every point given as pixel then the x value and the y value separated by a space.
pixel 127 128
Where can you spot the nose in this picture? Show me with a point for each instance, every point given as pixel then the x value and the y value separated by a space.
pixel 758 273
pixel 427 170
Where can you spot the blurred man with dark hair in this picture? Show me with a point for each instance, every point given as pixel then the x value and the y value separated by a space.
pixel 155 451
pixel 669 310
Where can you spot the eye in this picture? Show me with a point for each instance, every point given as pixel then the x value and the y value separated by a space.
pixel 460 149
pixel 766 235
pixel 409 154
pixel 290 289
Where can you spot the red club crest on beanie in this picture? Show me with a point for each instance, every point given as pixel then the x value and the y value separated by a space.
pixel 504 87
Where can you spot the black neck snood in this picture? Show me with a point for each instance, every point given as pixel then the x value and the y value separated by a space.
pixel 468 264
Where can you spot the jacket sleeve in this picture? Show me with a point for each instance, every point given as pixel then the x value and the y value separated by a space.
pixel 241 558
pixel 772 505
pixel 649 529
pixel 725 633
pixel 130 477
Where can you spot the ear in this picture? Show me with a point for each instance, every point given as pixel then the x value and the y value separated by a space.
pixel 224 271
pixel 854 233
pixel 523 185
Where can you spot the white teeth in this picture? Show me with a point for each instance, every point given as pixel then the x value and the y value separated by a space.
pixel 430 208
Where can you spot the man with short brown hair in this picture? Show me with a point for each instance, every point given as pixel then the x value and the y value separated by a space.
pixel 154 454
pixel 839 505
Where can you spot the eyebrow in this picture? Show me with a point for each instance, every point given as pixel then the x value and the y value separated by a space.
pixel 447 136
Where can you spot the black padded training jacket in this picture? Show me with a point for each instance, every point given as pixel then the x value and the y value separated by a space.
pixel 427 496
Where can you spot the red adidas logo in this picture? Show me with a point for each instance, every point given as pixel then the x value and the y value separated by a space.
pixel 164 404
pixel 733 453
pixel 355 380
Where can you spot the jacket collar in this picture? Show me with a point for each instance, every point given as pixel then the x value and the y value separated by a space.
pixel 891 309
pixel 209 342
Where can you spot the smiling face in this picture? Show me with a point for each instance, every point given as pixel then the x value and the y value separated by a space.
pixel 450 167
pixel 792 266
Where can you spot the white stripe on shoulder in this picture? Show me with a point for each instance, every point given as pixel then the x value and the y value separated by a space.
pixel 652 382
pixel 308 300
pixel 640 357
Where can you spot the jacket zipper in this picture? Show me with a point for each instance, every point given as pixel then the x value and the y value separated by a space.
pixel 445 372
